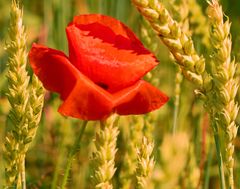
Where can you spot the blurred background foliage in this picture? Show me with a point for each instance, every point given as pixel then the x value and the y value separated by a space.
pixel 182 160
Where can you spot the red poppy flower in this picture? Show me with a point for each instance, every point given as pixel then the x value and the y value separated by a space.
pixel 102 73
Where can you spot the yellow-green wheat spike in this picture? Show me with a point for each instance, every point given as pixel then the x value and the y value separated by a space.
pixel 18 81
pixel 104 156
pixel 26 104
pixel 145 164
pixel 179 44
pixel 225 82
pixel 132 138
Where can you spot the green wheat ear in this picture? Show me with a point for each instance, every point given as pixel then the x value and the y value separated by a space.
pixel 26 101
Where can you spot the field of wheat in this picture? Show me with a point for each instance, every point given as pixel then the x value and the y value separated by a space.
pixel 119 94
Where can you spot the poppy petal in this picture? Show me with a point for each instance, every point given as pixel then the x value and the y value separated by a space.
pixel 107 52
pixel 53 69
pixel 116 26
pixel 140 98
pixel 87 101
pixel 82 98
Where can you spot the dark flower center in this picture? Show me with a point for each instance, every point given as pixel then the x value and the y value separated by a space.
pixel 103 85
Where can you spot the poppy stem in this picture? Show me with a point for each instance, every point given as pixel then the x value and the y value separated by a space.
pixel 72 153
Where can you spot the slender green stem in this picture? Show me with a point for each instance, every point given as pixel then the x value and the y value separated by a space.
pixel 219 156
pixel 55 176
pixel 175 118
pixel 178 81
pixel 57 168
pixel 207 170
pixel 23 176
pixel 72 153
